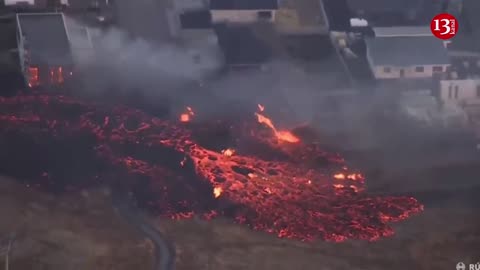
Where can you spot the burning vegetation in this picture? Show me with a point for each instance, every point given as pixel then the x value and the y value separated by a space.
pixel 289 188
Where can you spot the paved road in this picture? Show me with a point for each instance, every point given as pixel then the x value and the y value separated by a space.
pixel 164 251
pixel 143 18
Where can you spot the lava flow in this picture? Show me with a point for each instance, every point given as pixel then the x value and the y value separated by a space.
pixel 294 197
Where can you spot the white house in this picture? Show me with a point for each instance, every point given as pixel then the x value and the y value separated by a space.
pixel 460 92
pixel 243 11
pixel 406 52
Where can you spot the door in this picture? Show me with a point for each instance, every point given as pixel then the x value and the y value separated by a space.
pixel 402 73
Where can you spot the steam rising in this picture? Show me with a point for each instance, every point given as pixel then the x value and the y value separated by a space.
pixel 349 120
pixel 134 64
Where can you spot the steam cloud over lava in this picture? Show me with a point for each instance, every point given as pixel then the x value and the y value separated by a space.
pixel 274 183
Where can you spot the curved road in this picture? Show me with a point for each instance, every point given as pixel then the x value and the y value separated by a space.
pixel 164 250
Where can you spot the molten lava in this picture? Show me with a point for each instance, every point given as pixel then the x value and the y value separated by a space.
pixel 187 115
pixel 282 135
pixel 217 191
pixel 228 152
pixel 309 194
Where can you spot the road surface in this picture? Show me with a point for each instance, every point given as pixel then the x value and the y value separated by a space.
pixel 164 251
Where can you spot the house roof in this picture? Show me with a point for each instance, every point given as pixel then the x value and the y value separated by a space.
pixel 241 46
pixel 406 51
pixel 198 19
pixel 468 35
pixel 301 17
pixel 46 38
pixel 243 4
pixel 402 31
pixel 383 5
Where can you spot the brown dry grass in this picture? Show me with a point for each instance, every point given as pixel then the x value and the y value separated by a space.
pixel 75 231
pixel 436 239
pixel 80 231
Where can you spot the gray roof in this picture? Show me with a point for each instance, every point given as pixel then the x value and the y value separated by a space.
pixel 243 4
pixel 406 51
pixel 46 38
pixel 402 31
pixel 468 35
pixel 383 5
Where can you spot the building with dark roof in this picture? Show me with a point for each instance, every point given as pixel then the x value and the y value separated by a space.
pixel 407 56
pixel 197 19
pixel 467 40
pixel 243 11
pixel 44 47
pixel 241 46
pixel 243 4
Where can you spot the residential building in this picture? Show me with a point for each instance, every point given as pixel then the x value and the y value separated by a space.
pixel 243 11
pixel 460 92
pixel 187 17
pixel 301 17
pixel 398 53
pixel 81 43
pixel 396 13
pixel 462 95
pixel 402 31
pixel 464 48
pixel 241 46
pixel 44 48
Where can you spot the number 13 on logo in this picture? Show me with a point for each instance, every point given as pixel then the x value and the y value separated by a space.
pixel 444 26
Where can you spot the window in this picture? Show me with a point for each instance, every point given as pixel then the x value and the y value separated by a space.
pixel 456 92
pixel 419 69
pixel 56 75
pixel 450 91
pixel 387 70
pixel 33 76
pixel 264 15
pixel 478 91
pixel 437 69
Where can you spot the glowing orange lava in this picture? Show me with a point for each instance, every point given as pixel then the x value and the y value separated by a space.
pixel 187 116
pixel 228 152
pixel 282 135
pixel 217 191
pixel 294 198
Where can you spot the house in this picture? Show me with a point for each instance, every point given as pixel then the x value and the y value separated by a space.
pixel 396 13
pixel 464 48
pixel 409 53
pixel 81 43
pixel 44 48
pixel 301 17
pixel 241 46
pixel 243 11
pixel 462 95
pixel 460 92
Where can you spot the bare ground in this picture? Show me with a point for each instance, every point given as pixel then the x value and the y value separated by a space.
pixel 81 231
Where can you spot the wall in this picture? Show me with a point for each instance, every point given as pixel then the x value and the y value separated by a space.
pixel 237 16
pixel 460 92
pixel 410 72
pixel 21 51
